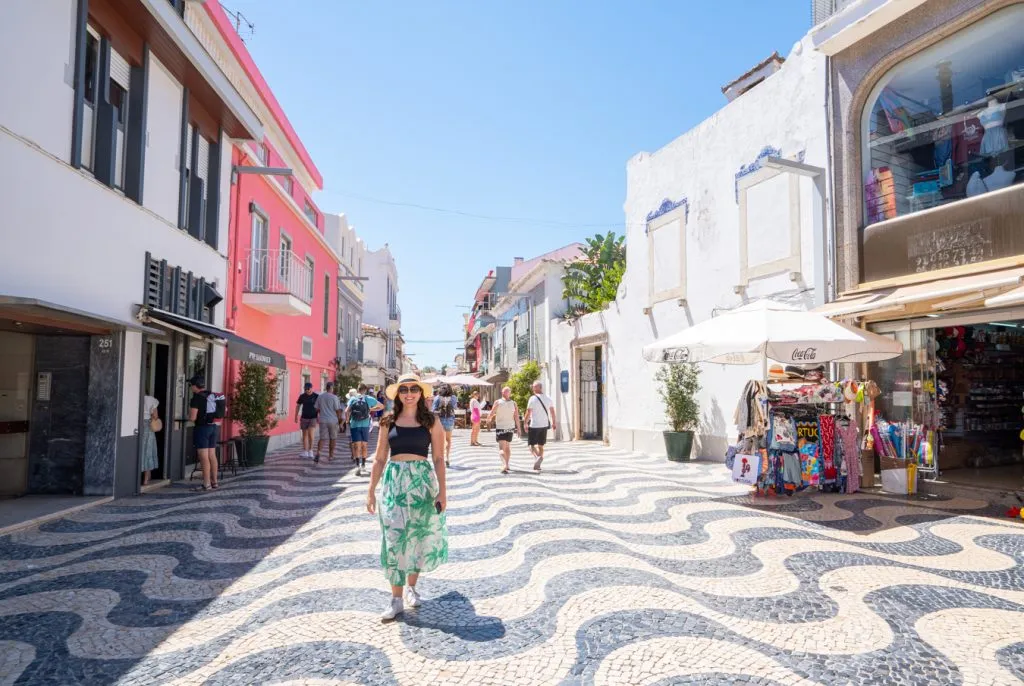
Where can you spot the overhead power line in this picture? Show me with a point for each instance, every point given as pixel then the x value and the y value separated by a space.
pixel 483 217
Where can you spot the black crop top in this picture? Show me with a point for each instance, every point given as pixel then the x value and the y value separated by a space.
pixel 409 440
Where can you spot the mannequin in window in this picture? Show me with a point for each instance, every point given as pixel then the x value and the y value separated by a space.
pixel 992 118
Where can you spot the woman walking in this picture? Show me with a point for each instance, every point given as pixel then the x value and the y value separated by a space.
pixel 414 497
pixel 474 417
pixel 444 408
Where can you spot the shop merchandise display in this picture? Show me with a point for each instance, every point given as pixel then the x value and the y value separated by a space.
pixel 809 440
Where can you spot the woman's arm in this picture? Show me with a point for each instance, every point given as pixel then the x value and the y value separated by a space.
pixel 437 451
pixel 380 459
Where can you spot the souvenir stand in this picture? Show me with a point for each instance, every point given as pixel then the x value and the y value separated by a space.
pixel 768 455
pixel 807 436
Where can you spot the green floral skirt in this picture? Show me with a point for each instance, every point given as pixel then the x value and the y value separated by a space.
pixel 414 538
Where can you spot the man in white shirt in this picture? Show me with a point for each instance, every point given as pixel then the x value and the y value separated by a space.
pixel 505 419
pixel 540 416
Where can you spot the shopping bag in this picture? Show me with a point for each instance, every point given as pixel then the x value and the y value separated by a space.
pixel 746 468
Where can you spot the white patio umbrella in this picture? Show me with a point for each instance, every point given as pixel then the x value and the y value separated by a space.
pixel 767 330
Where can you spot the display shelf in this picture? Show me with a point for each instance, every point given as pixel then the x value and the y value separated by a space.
pixel 942 120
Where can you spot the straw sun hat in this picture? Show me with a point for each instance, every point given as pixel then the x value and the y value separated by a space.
pixel 392 390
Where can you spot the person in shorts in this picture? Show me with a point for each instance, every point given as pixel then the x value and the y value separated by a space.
pixel 505 420
pixel 329 414
pixel 305 415
pixel 540 416
pixel 444 406
pixel 205 432
pixel 357 414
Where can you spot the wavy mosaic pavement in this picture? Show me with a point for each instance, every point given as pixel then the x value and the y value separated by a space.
pixel 607 568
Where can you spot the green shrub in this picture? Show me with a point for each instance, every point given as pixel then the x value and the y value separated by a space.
pixel 521 384
pixel 680 384
pixel 253 401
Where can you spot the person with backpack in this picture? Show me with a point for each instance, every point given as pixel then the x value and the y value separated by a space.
pixel 306 406
pixel 357 415
pixel 204 410
pixel 540 416
pixel 444 408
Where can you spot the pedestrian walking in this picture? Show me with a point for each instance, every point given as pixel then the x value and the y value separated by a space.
pixel 414 497
pixel 357 415
pixel 540 416
pixel 505 420
pixel 444 407
pixel 329 414
pixel 205 432
pixel 306 407
pixel 150 425
pixel 474 417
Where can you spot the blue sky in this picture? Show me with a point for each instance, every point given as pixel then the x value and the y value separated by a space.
pixel 518 109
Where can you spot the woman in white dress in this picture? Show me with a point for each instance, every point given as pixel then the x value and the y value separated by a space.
pixel 150 457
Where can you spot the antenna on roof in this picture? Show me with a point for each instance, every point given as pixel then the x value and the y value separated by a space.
pixel 241 22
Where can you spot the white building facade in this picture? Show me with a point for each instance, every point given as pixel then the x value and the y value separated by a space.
pixel 381 307
pixel 115 186
pixel 730 212
pixel 351 292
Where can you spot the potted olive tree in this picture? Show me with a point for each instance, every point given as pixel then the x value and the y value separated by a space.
pixel 253 405
pixel 680 384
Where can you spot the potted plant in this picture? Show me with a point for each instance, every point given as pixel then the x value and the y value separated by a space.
pixel 680 384
pixel 253 404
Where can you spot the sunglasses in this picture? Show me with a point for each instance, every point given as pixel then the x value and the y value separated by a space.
pixel 406 390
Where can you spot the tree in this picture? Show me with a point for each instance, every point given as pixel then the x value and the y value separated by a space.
pixel 429 369
pixel 521 384
pixel 254 400
pixel 345 380
pixel 680 384
pixel 592 280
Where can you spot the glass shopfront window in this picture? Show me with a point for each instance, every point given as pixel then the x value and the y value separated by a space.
pixel 947 125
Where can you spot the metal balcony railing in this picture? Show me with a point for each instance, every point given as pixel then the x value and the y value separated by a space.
pixel 395 314
pixel 523 350
pixel 279 272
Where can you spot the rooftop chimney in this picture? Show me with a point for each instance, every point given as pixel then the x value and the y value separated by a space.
pixel 759 73
pixel 517 260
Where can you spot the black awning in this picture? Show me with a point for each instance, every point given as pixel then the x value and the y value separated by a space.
pixel 238 348
pixel 32 315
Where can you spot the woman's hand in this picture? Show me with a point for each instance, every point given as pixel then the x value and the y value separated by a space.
pixel 443 499
pixel 371 503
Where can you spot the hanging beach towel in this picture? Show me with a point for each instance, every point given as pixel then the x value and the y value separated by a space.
pixel 746 468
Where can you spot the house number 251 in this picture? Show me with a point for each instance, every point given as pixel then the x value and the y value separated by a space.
pixel 106 344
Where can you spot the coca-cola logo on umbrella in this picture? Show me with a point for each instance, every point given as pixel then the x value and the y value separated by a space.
pixel 805 355
pixel 675 355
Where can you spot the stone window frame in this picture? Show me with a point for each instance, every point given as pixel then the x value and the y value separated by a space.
pixel 676 218
pixel 792 262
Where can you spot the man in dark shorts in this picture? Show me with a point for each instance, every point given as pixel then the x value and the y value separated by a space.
pixel 540 416
pixel 205 432
pixel 505 420
pixel 306 407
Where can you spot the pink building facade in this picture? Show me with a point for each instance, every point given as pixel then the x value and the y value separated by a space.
pixel 282 270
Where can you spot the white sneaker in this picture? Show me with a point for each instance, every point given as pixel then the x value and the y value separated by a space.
pixel 412 597
pixel 396 608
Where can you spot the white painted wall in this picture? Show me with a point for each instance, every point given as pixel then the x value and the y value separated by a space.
pixel 379 264
pixel 163 121
pixel 38 100
pixel 787 111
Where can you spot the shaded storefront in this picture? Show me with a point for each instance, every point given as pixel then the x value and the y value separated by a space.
pixel 928 139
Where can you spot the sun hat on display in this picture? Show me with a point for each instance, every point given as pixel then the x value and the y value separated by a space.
pixel 392 390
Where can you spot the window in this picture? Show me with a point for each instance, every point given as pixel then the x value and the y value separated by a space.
pixel 666 255
pixel 307 348
pixel 286 183
pixel 327 303
pixel 196 169
pixel 282 392
pixel 323 381
pixel 945 125
pixel 308 210
pixel 263 154
pixel 284 260
pixel 311 268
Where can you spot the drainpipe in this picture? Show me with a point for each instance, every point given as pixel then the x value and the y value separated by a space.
pixel 231 320
pixel 831 269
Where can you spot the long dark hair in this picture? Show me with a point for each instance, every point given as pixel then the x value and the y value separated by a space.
pixel 423 414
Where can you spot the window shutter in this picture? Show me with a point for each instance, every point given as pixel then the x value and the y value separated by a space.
pixel 188 147
pixel 204 159
pixel 120 72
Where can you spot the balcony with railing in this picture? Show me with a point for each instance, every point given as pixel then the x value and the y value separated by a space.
pixel 395 318
pixel 278 282
pixel 524 350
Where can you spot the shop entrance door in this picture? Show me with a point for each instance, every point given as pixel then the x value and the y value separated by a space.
pixel 15 411
pixel 590 394
pixel 158 384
